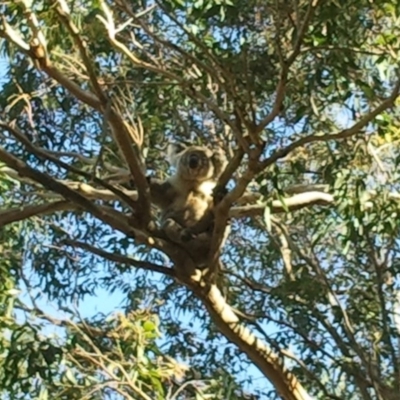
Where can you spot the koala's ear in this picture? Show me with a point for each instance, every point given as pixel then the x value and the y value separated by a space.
pixel 173 152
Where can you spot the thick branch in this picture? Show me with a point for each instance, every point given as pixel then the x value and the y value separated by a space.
pixel 221 215
pixel 293 203
pixel 84 189
pixel 263 357
pixel 230 169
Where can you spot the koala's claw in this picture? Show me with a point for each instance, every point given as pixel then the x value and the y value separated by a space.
pixel 219 193
pixel 186 235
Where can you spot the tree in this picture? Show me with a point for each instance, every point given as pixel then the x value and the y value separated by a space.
pixel 302 97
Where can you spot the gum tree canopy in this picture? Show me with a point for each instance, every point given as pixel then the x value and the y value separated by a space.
pixel 302 302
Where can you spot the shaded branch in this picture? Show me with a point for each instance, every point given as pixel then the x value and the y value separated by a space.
pixel 20 213
pixel 51 184
pixel 120 259
pixel 43 154
pixel 119 129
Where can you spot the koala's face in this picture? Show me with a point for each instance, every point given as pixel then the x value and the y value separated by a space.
pixel 194 163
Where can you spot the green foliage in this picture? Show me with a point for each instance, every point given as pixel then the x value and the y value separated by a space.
pixel 321 281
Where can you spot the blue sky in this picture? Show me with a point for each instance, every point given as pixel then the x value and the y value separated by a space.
pixel 91 305
pixel 105 302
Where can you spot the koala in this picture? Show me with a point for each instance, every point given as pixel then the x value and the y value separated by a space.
pixel 186 198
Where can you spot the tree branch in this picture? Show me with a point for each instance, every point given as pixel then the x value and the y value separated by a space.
pixel 124 142
pixel 51 184
pixel 185 85
pixel 292 203
pixel 44 155
pixel 263 357
pixel 120 259
pixel 20 213
pixel 388 102
pixel 281 87
pixel 63 13
pixel 120 131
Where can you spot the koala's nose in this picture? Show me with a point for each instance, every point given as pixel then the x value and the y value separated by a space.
pixel 193 161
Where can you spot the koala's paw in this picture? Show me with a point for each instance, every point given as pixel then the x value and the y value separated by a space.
pixel 219 194
pixel 168 223
pixel 186 235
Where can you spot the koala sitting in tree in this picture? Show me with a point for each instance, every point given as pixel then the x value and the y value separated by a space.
pixel 186 198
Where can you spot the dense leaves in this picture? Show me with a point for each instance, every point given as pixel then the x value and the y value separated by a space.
pixel 318 282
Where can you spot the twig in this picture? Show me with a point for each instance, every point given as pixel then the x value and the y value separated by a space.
pixel 334 301
pixel 64 15
pixel 253 285
pixel 165 43
pixel 379 272
pixel 89 161
pixel 186 86
pixel 122 137
pixel 286 64
pixel 388 102
pixel 38 54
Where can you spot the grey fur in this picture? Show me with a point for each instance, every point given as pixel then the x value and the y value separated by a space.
pixel 186 198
